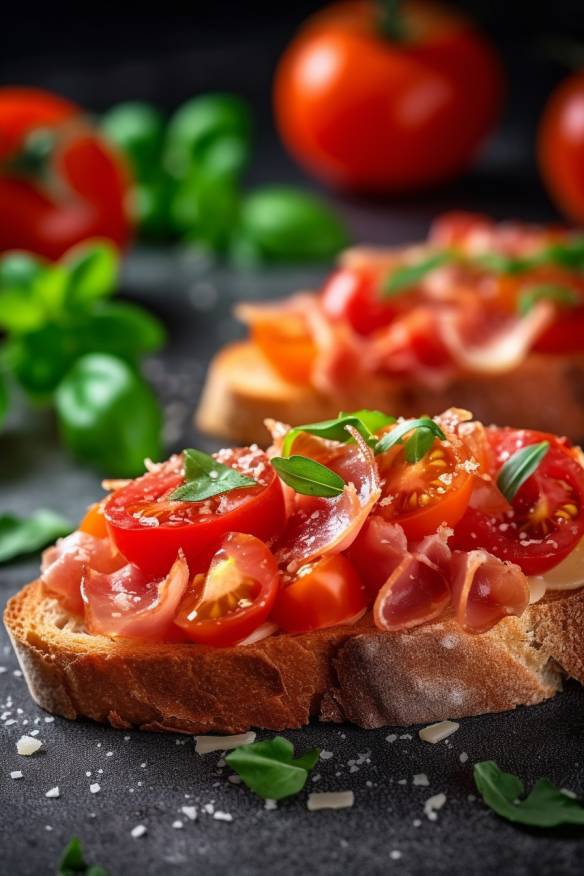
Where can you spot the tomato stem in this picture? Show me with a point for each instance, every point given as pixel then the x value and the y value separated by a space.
pixel 390 21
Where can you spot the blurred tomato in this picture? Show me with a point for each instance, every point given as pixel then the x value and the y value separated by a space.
pixel 59 183
pixel 371 110
pixel 561 146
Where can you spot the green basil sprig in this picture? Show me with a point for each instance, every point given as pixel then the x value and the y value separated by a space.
pixel 23 535
pixel 545 805
pixel 308 477
pixel 425 431
pixel 206 477
pixel 561 295
pixel 73 863
pixel 366 422
pixel 406 277
pixel 269 768
pixel 519 467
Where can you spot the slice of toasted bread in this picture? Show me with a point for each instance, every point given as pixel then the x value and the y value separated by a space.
pixel 355 673
pixel 242 388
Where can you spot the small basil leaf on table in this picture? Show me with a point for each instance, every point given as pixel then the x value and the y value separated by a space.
pixel 519 467
pixel 561 295
pixel 137 128
pixel 416 444
pixel 108 415
pixel 93 272
pixel 269 767
pixel 308 477
pixel 366 422
pixel 24 535
pixel 73 862
pixel 206 477
pixel 407 277
pixel 119 328
pixel 545 805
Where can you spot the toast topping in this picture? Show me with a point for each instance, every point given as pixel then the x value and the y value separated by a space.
pixel 429 517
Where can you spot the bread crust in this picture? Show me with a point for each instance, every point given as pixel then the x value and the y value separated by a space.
pixel 355 673
pixel 242 389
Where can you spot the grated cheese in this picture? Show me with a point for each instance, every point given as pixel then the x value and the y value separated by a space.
pixel 330 800
pixel 53 792
pixel 433 804
pixel 138 831
pixel 207 744
pixel 28 745
pixel 437 732
pixel 16 774
pixel 190 812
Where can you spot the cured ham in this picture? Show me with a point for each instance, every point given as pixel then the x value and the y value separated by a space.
pixel 377 551
pixel 325 526
pixel 416 592
pixel 126 603
pixel 486 589
pixel 65 563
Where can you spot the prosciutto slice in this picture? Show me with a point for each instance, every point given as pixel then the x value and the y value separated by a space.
pixel 328 526
pixel 65 564
pixel 486 589
pixel 377 551
pixel 416 592
pixel 126 603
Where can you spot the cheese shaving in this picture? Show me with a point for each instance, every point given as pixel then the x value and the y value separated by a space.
pixel 330 800
pixel 437 732
pixel 207 744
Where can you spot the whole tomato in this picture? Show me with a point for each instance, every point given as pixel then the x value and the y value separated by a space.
pixel 59 182
pixel 561 146
pixel 374 100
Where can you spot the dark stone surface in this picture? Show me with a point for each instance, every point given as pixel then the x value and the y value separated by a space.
pixel 165 773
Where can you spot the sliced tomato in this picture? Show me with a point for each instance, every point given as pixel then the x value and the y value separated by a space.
pixel 322 594
pixel 236 595
pixel 546 518
pixel 355 296
pixel 149 528
pixel 94 522
pixel 423 495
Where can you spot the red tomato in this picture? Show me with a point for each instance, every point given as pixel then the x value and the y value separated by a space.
pixel 77 190
pixel 94 522
pixel 235 596
pixel 561 146
pixel 546 520
pixel 364 111
pixel 323 594
pixel 149 528
pixel 355 296
pixel 566 335
pixel 422 495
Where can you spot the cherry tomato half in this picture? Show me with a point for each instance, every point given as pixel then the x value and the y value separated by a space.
pixel 546 520
pixel 422 495
pixel 364 110
pixel 59 182
pixel 323 594
pixel 355 296
pixel 149 528
pixel 236 595
pixel 94 522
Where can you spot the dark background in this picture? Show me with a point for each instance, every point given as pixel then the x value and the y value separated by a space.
pixel 99 58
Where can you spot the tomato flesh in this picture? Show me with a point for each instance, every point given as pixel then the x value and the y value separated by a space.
pixel 546 519
pixel 236 595
pixel 423 495
pixel 322 594
pixel 94 522
pixel 149 528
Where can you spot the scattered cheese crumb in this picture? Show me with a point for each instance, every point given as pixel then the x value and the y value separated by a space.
pixel 421 779
pixel 138 831
pixel 432 804
pixel 234 779
pixel 222 816
pixel 28 745
pixel 49 719
pixel 437 732
pixel 207 744
pixel 53 792
pixel 326 755
pixel 16 774
pixel 209 808
pixel 463 757
pixel 177 824
pixel 391 738
pixel 395 855
pixel 568 793
pixel 330 800
pixel 190 812
pixel 95 788
pixel 270 804
pixel 416 822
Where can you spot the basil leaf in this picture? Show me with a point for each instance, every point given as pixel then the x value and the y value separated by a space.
pixel 499 263
pixel 308 477
pixel 408 276
pixel 366 422
pixel 205 477
pixel 519 467
pixel 24 535
pixel 4 398
pixel 19 270
pixel 417 443
pixel 92 272
pixel 545 805
pixel 120 328
pixel 562 295
pixel 73 863
pixel 569 254
pixel 269 768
